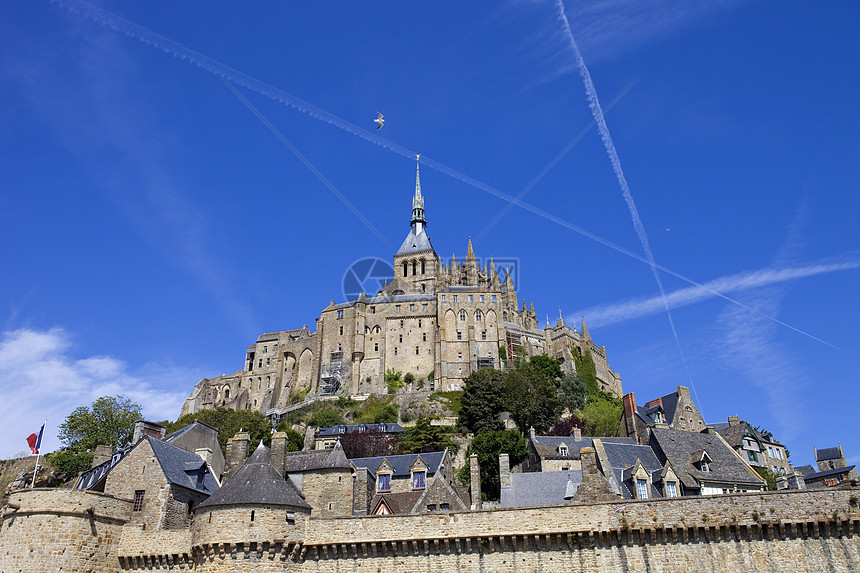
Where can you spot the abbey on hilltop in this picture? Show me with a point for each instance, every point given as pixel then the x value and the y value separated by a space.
pixel 439 322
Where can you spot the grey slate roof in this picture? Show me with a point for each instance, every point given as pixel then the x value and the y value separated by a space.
pixel 401 463
pixel 298 462
pixel 622 457
pixel 821 475
pixel 389 428
pixel 670 404
pixel 806 470
pixel 538 489
pixel 734 435
pixel 828 454
pixel 415 243
pixel 173 435
pixel 183 468
pixel 257 483
pixel 547 446
pixel 676 446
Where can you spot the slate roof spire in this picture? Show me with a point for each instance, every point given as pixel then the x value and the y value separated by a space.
pixel 418 221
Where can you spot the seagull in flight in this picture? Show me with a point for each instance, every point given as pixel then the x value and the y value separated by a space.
pixel 380 121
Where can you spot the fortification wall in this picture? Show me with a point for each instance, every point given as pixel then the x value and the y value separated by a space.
pixel 61 530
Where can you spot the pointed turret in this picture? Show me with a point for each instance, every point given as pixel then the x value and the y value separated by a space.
pixel 417 241
pixel 585 334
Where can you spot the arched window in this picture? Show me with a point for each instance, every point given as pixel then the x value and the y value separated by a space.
pixel 505 315
pixel 405 267
pixel 478 315
pixel 414 267
pixel 462 315
pixel 423 262
pixel 226 393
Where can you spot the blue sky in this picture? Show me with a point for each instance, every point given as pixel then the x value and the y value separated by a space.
pixel 152 225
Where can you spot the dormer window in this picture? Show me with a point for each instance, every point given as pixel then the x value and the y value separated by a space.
pixel 562 450
pixel 703 466
pixel 658 417
pixel 383 482
pixel 642 488
pixel 671 489
pixel 418 479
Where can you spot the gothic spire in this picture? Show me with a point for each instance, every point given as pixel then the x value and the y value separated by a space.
pixel 418 221
pixel 585 334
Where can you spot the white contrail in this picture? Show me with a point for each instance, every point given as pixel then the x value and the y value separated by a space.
pixel 173 48
pixel 603 129
pixel 641 307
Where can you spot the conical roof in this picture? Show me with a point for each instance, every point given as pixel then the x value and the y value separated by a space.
pixel 257 483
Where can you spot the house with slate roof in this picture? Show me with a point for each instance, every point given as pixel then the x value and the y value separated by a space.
pixel 164 482
pixel 201 439
pixel 555 453
pixel 833 469
pixel 326 438
pixel 636 469
pixel 758 449
pixel 407 483
pixel 322 477
pixel 703 462
pixel 676 410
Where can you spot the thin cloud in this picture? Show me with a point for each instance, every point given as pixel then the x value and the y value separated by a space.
pixel 43 379
pixel 614 313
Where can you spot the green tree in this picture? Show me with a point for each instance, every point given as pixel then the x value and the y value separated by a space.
pixel 601 417
pixel 228 423
pixel 375 411
pixel 482 401
pixel 546 366
pixel 69 462
pixel 768 476
pixel 295 440
pixel 325 417
pixel 585 368
pixel 488 446
pixel 531 395
pixel 424 437
pixel 393 381
pixel 109 421
pixel 573 393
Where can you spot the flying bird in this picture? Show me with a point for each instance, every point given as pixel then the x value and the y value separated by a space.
pixel 380 121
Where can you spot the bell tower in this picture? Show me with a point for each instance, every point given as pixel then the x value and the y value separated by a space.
pixel 416 261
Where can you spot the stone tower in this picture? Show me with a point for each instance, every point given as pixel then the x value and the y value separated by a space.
pixel 416 262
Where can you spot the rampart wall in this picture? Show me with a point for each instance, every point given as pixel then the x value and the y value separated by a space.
pixel 814 531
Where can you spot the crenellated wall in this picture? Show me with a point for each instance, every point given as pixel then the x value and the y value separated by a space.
pixel 812 531
pixel 61 530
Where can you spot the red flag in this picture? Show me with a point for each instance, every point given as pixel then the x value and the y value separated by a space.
pixel 35 441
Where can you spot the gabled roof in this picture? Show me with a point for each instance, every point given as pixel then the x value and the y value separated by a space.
pixel 173 435
pixel 183 468
pixel 402 463
pixel 734 435
pixel 297 462
pixel 415 243
pixel 257 483
pixel 539 489
pixel 622 458
pixel 828 454
pixel 821 475
pixel 678 446
pixel 669 405
pixel 547 446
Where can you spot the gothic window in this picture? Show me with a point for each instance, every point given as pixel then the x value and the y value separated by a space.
pixel 422 266
pixel 424 306
pixel 226 393
pixel 462 315
pixel 405 268
pixel 414 267
pixel 478 315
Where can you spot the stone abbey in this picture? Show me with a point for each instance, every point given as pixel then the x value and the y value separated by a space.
pixel 438 322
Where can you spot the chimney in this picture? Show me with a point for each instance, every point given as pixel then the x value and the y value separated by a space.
pixel 363 489
pixel 628 424
pixel 101 455
pixel 655 402
pixel 531 432
pixel 594 486
pixel 576 434
pixel 734 420
pixel 475 479
pixel 278 451
pixel 143 428
pixel 684 392
pixel 504 471
pixel 237 453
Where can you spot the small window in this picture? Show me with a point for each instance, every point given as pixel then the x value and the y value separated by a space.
pixel 260 363
pixel 269 360
pixel 471 298
pixel 401 338
pixel 460 357
pixel 402 322
pixel 494 298
pixel 418 479
pixel 339 331
pixel 562 450
pixel 383 482
pixel 424 336
pixel 291 518
pixel 395 351
pixel 642 488
pixel 372 310
pixel 396 308
pixel 265 349
pixel 411 308
pixel 444 507
pixel 424 306
pixel 419 323
pixel 459 335
pixel 671 489
pixel 340 314
pixel 455 298
pixel 431 507
pixel 482 298
pixel 505 315
pixel 376 347
pixel 416 351
pixel 462 315
pixel 483 335
pixel 479 316
pixel 252 515
pixel 443 298
pixel 753 457
pixel 138 500
pixel 704 466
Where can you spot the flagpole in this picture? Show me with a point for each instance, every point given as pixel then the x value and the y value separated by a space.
pixel 38 454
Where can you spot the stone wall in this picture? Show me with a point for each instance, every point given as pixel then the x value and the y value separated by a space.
pixel 61 530
pixel 329 492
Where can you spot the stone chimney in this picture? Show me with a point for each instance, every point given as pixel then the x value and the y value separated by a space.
pixel 734 420
pixel 237 453
pixel 101 455
pixel 504 471
pixel 576 434
pixel 594 486
pixel 278 451
pixel 363 489
pixel 628 424
pixel 143 428
pixel 475 479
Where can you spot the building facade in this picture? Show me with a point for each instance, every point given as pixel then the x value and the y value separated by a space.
pixel 438 321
